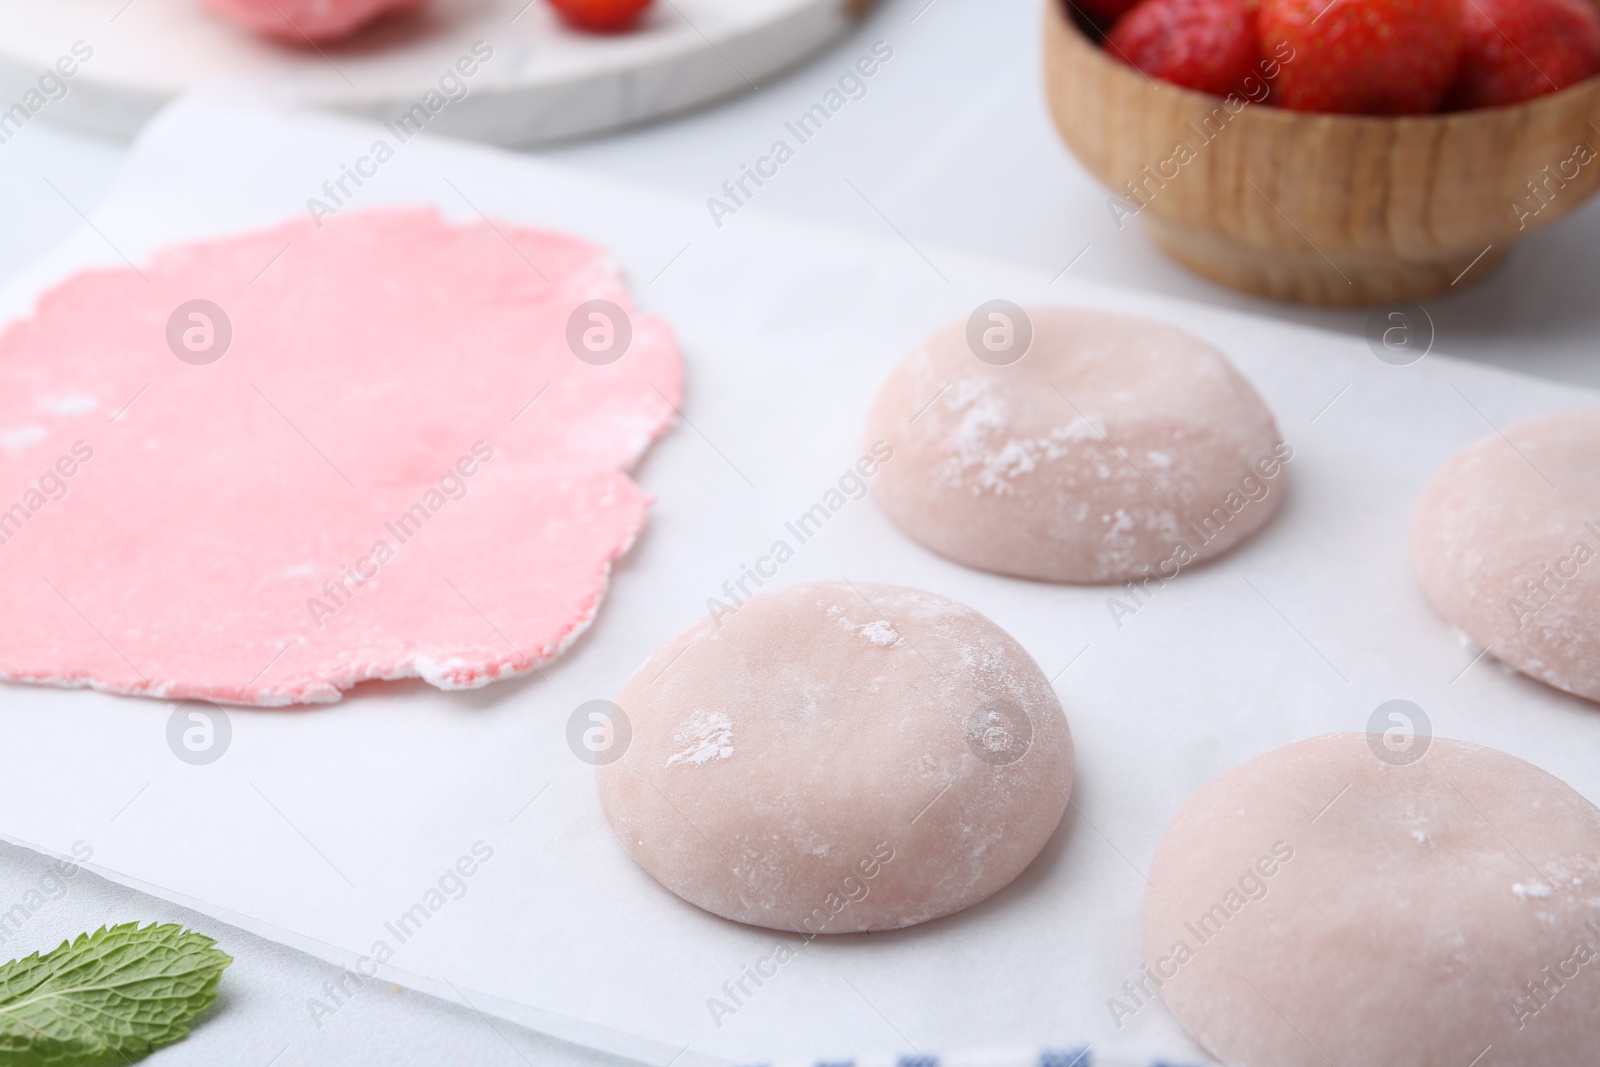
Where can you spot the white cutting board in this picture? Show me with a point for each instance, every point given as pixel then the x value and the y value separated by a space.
pixel 544 82
pixel 318 827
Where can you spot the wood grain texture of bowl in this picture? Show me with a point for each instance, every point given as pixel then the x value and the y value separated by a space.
pixel 1320 209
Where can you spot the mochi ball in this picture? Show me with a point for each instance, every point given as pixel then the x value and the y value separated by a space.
pixel 1075 446
pixel 1506 542
pixel 1328 903
pixel 302 21
pixel 838 757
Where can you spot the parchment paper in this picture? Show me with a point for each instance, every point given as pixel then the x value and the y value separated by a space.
pixel 319 827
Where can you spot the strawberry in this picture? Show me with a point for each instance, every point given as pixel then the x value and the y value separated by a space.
pixel 1206 45
pixel 600 16
pixel 1101 12
pixel 1519 49
pixel 1374 57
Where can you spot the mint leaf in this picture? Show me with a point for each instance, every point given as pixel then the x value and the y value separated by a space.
pixel 107 997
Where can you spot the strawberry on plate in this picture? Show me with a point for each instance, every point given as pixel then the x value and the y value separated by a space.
pixel 1518 49
pixel 601 16
pixel 308 22
pixel 1206 45
pixel 1374 57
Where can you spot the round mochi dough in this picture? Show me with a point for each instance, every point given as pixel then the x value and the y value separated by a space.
pixel 839 757
pixel 302 21
pixel 1323 905
pixel 1506 542
pixel 1114 447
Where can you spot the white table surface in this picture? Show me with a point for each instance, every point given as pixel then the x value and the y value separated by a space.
pixel 951 147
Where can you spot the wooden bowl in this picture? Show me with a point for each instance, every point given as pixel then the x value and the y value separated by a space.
pixel 1321 209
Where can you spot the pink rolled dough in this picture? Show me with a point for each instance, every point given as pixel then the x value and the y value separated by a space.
pixel 1506 542
pixel 1116 448
pixel 397 469
pixel 308 21
pixel 1323 905
pixel 838 757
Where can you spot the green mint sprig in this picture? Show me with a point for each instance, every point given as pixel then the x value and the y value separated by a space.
pixel 110 996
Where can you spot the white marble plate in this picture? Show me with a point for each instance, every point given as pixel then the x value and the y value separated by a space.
pixel 544 82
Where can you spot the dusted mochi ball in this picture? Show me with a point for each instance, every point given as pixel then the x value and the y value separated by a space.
pixel 1506 542
pixel 299 21
pixel 1113 448
pixel 839 757
pixel 1325 904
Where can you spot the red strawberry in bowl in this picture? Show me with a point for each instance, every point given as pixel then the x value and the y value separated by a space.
pixel 1516 50
pixel 1101 12
pixel 1206 45
pixel 1373 57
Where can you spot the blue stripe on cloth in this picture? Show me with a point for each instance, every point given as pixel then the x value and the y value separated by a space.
pixel 1050 1057
pixel 1078 1057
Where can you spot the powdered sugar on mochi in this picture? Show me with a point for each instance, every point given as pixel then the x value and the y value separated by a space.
pixel 397 469
pixel 1092 458
pixel 880 633
pixel 708 735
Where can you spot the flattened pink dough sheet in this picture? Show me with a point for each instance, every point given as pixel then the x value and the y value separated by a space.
pixel 298 517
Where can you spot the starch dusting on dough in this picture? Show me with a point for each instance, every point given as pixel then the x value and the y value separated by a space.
pixel 397 468
pixel 839 757
pixel 1113 449
pixel 708 735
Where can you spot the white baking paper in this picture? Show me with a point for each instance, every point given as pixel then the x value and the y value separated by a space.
pixel 318 827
